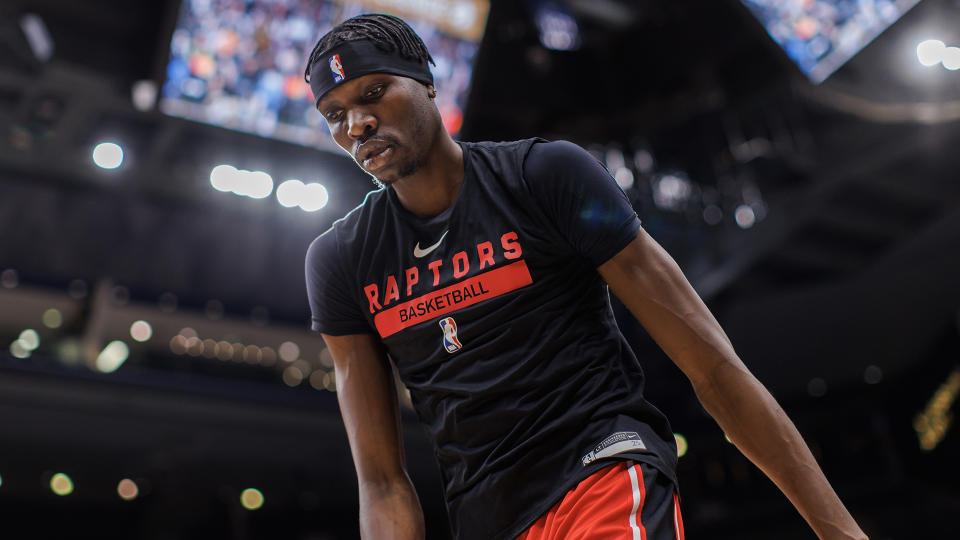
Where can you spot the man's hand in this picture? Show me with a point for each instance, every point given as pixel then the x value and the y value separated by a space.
pixel 649 282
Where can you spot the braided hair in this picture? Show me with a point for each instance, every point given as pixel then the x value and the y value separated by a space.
pixel 387 32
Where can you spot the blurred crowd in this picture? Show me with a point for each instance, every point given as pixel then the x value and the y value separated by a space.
pixel 812 30
pixel 240 63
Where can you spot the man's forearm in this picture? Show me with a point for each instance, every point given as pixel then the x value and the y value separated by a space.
pixel 760 428
pixel 390 511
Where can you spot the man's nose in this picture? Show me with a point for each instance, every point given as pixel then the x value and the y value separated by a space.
pixel 360 123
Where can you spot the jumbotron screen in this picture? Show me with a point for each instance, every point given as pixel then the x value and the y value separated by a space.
pixel 821 35
pixel 239 63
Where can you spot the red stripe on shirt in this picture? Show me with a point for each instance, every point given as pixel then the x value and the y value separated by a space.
pixel 468 292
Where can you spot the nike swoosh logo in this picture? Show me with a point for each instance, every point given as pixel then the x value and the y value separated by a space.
pixel 419 253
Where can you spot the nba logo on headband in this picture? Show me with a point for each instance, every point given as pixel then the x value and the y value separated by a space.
pixel 336 68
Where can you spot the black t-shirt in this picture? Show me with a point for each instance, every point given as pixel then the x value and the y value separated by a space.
pixel 501 327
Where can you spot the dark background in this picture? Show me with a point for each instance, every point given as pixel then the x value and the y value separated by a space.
pixel 842 297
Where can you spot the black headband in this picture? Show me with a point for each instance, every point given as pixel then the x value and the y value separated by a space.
pixel 352 59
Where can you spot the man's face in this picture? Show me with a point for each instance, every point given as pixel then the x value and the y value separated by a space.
pixel 384 121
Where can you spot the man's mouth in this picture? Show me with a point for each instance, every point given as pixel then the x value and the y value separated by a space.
pixel 377 157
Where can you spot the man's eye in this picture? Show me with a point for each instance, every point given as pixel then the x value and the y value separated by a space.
pixel 376 91
pixel 334 116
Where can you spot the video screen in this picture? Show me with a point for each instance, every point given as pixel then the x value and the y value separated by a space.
pixel 821 35
pixel 239 63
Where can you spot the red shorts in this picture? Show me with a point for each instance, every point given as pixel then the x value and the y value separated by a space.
pixel 625 500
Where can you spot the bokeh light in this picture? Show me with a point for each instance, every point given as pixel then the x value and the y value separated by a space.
pixel 330 381
pixel 251 354
pixel 316 380
pixel 930 52
pixel 30 339
pixel 178 344
pixel 127 489
pixel 289 351
pixel 113 356
pixel 238 349
pixel 292 376
pixel 61 484
pixel 326 359
pixel 18 350
pixel 682 446
pixel 251 499
pixel 253 184
pixel 951 58
pixel 194 346
pixel 268 356
pixel 224 350
pixel 52 318
pixel 624 177
pixel 309 197
pixel 108 155
pixel 209 348
pixel 141 331
pixel 744 216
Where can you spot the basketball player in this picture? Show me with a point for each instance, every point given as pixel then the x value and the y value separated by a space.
pixel 480 273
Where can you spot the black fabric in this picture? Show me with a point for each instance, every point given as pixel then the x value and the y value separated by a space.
pixel 659 515
pixel 540 388
pixel 361 57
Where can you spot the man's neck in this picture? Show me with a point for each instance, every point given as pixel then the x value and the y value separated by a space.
pixel 434 187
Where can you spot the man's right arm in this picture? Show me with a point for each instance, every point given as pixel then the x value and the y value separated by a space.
pixel 389 507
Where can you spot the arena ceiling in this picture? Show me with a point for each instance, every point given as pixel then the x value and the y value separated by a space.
pixel 844 172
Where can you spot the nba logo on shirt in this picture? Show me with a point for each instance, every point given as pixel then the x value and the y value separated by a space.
pixel 336 68
pixel 450 340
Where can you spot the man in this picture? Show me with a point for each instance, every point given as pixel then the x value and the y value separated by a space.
pixel 480 271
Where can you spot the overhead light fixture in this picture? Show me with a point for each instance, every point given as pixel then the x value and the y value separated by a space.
pixel 253 184
pixel 112 356
pixel 951 58
pixel 143 93
pixel 933 51
pixel 672 191
pixel 309 197
pixel 558 28
pixel 38 37
pixel 930 52
pixel 108 155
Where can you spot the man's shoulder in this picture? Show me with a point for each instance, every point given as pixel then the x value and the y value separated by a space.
pixel 372 207
pixel 500 161
pixel 352 225
pixel 556 155
pixel 537 156
pixel 519 145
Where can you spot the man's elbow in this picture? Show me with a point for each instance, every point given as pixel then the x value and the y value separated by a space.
pixel 718 373
pixel 383 479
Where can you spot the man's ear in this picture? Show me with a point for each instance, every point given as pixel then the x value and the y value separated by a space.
pixel 431 91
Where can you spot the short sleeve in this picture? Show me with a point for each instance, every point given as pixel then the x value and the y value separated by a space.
pixel 333 310
pixel 581 198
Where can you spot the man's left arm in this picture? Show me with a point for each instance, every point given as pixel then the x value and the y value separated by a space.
pixel 650 283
